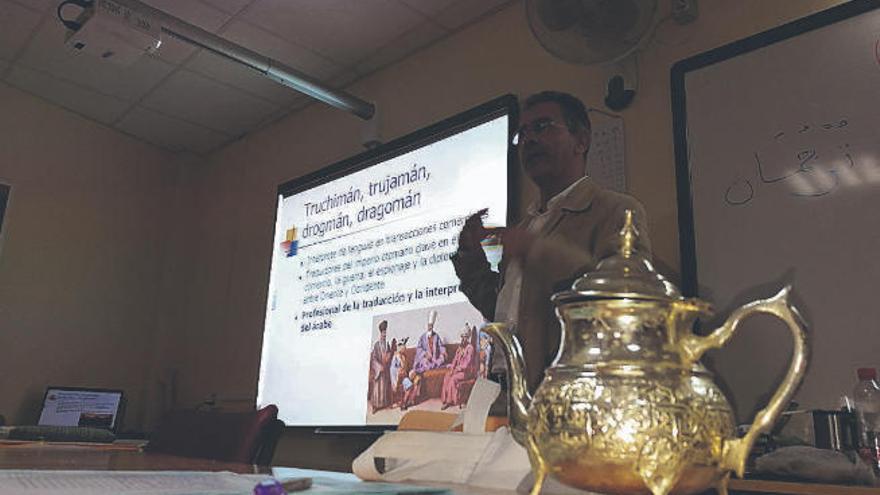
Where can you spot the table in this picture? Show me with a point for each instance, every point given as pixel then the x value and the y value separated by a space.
pixel 37 455
pixel 786 487
pixel 40 455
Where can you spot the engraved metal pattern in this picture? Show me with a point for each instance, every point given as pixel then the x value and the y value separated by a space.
pixel 654 424
pixel 618 330
pixel 626 408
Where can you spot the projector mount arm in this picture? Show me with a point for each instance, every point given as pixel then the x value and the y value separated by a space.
pixel 201 38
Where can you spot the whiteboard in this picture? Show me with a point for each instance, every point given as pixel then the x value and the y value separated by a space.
pixel 778 170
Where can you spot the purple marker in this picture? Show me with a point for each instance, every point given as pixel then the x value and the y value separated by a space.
pixel 269 487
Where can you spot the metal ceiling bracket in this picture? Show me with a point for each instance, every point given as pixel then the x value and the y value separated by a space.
pixel 266 66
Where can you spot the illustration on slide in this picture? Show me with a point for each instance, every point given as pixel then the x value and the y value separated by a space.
pixel 427 359
pixel 290 243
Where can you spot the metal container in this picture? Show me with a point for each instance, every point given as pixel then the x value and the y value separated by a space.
pixel 626 407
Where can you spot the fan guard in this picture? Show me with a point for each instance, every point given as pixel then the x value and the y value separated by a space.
pixel 590 31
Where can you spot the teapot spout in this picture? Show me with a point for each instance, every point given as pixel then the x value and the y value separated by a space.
pixel 519 397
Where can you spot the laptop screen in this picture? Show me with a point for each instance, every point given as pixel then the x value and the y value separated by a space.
pixel 69 406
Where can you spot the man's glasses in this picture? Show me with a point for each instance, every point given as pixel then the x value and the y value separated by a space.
pixel 536 128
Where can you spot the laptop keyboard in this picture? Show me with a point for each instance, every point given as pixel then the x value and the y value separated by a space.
pixel 61 434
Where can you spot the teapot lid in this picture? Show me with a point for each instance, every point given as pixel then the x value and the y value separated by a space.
pixel 625 274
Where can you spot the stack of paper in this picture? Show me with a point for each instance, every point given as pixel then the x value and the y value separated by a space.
pixel 36 482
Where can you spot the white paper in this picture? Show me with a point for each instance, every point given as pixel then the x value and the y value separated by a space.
pixel 283 473
pixel 439 456
pixel 483 394
pixel 504 464
pixel 444 457
pixel 45 482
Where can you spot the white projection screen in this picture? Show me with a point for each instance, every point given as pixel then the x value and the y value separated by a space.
pixel 368 240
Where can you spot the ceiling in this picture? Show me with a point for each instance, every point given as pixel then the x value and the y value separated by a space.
pixel 188 99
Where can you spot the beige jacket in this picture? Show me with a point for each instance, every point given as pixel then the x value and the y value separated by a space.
pixel 582 229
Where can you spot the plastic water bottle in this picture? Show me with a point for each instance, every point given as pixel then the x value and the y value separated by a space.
pixel 866 397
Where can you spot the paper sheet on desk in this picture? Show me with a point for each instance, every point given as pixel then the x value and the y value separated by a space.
pixel 475 457
pixel 38 482
pixel 449 457
pixel 331 483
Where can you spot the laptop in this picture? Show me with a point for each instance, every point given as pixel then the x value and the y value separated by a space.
pixel 75 406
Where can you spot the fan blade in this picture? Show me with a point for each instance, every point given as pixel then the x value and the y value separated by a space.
pixel 559 15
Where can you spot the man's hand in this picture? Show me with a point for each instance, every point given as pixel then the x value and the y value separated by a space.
pixel 472 232
pixel 517 242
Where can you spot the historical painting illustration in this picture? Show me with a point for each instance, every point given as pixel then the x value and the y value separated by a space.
pixel 426 359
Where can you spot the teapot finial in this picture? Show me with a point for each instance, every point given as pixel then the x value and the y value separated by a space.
pixel 628 235
pixel 626 273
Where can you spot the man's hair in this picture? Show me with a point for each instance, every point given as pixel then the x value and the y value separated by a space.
pixel 573 110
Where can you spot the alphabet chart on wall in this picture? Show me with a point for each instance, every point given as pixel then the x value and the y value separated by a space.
pixel 605 162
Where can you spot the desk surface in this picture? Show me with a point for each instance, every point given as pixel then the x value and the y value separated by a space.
pixel 74 457
pixel 784 487
pixel 101 458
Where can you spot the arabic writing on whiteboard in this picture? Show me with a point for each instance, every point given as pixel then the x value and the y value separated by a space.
pixel 809 160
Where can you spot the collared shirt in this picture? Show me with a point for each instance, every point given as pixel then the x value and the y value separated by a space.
pixel 507 307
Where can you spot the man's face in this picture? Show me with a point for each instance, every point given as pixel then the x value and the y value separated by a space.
pixel 548 148
pixel 430 328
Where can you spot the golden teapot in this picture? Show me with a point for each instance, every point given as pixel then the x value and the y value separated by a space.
pixel 626 407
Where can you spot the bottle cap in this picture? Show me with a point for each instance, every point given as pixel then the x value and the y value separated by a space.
pixel 867 373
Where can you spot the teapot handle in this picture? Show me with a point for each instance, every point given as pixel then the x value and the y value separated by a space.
pixel 692 347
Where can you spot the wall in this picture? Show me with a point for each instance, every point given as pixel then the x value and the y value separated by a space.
pixel 499 55
pixel 81 265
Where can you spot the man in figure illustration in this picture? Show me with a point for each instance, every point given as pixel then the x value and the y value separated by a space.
pixel 431 351
pixel 412 390
pixel 380 360
pixel 461 369
pixel 398 370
